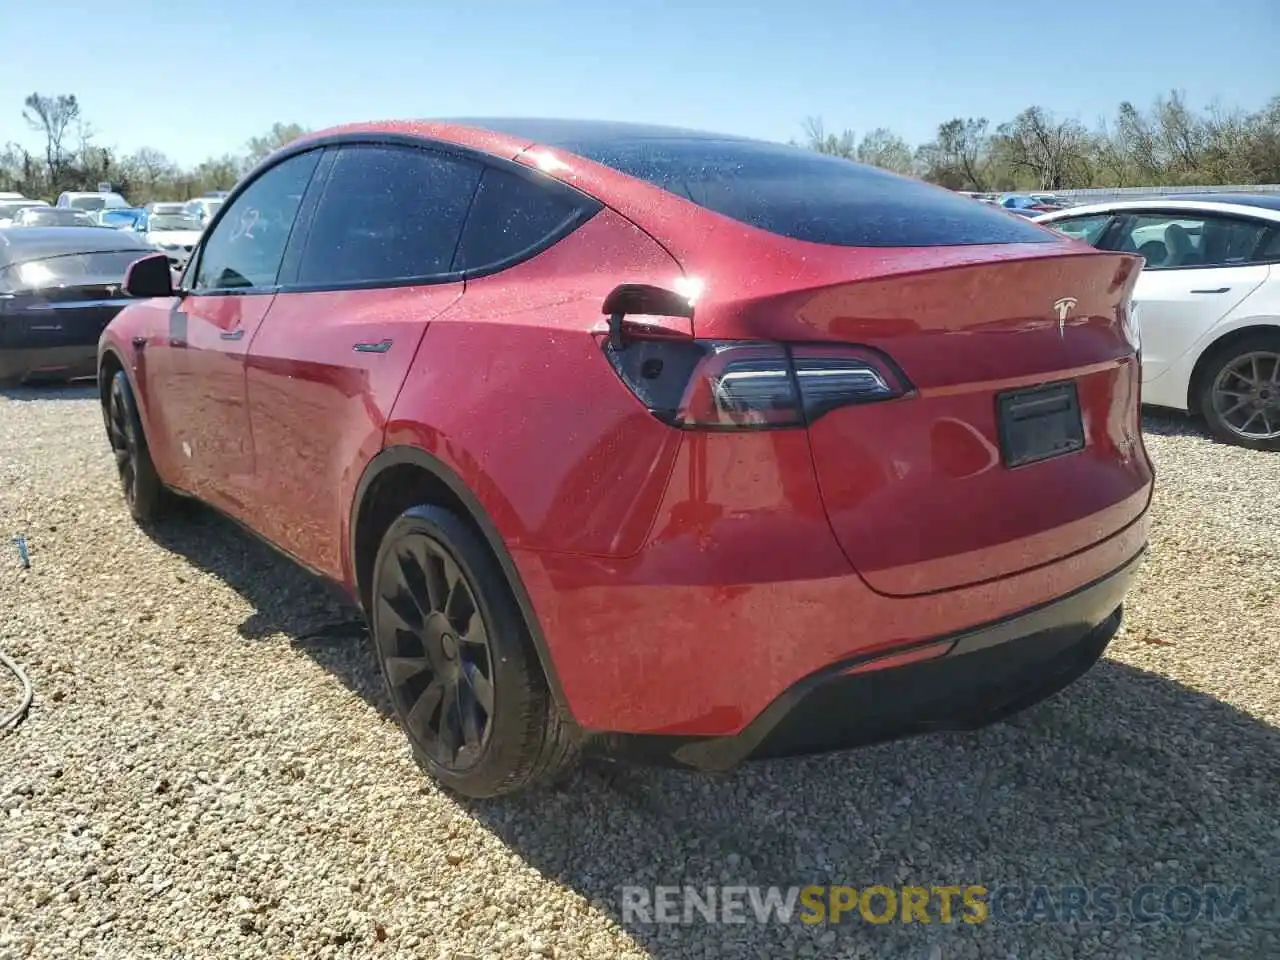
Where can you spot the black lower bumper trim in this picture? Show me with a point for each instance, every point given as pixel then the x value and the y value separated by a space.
pixel 989 673
pixel 40 364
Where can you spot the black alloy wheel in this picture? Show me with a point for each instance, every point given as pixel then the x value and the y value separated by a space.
pixel 435 652
pixel 458 660
pixel 124 438
pixel 144 494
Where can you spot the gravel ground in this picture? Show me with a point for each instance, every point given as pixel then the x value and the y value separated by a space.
pixel 198 779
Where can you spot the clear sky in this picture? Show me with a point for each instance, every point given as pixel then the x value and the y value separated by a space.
pixel 195 79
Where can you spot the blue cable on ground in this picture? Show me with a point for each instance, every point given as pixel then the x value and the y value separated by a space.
pixel 20 542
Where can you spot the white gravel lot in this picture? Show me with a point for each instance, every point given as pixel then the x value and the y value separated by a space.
pixel 195 781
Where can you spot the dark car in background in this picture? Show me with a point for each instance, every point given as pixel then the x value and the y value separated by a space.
pixel 59 287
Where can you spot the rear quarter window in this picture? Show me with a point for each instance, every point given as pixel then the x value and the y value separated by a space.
pixel 513 217
pixel 809 196
pixel 1089 228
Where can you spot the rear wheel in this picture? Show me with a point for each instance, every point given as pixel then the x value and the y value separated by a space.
pixel 458 661
pixel 145 495
pixel 1239 392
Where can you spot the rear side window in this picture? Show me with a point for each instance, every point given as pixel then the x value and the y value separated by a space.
pixel 388 213
pixel 809 196
pixel 513 216
pixel 1173 241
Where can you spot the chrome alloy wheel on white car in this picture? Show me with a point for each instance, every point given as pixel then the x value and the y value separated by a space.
pixel 1246 395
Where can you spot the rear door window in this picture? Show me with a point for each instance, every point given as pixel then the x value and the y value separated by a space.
pixel 514 217
pixel 388 213
pixel 805 195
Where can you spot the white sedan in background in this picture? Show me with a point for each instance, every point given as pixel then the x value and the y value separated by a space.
pixel 174 234
pixel 1207 301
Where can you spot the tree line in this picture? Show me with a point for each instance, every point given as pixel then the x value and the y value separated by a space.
pixel 1167 144
pixel 72 158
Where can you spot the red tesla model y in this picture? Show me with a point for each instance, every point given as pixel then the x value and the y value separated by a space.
pixel 650 443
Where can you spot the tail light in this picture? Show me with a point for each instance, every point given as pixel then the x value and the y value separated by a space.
pixel 750 385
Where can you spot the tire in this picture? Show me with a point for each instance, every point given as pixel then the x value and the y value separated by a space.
pixel 144 493
pixel 1263 396
pixel 458 662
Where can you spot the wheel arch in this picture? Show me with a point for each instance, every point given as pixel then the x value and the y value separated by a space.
pixel 109 362
pixel 112 357
pixel 401 476
pixel 1198 372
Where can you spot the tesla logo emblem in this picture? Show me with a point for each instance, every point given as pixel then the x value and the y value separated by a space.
pixel 1063 307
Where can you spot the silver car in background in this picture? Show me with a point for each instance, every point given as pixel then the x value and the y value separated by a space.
pixel 203 209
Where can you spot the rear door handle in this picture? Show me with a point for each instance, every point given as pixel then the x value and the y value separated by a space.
pixel 1217 290
pixel 233 335
pixel 382 346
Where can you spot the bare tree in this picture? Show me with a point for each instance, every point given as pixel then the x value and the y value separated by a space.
pixel 278 136
pixel 53 117
pixel 1224 155
pixel 1138 137
pixel 818 139
pixel 1055 151
pixel 1262 154
pixel 957 157
pixel 1110 155
pixel 1179 133
pixel 884 148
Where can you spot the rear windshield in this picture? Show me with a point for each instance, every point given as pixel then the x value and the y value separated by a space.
pixel 68 269
pixel 809 196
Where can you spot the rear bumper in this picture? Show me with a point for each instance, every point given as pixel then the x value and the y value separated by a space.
pixel 964 681
pixel 696 636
